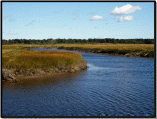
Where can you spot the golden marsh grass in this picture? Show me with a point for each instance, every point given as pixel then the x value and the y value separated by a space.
pixel 18 58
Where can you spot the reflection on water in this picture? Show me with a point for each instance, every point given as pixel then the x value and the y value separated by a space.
pixel 34 82
pixel 111 86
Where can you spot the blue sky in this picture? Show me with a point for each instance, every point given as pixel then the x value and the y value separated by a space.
pixel 80 20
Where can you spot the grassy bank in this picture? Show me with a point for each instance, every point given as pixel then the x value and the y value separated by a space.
pixel 19 60
pixel 141 50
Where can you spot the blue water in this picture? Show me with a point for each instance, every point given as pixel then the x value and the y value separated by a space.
pixel 111 86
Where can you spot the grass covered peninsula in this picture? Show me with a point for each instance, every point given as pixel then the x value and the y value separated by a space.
pixel 19 62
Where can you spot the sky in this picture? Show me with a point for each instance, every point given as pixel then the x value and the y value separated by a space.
pixel 77 20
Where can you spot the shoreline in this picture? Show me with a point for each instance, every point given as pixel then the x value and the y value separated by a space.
pixel 120 55
pixel 10 74
pixel 111 54
pixel 137 55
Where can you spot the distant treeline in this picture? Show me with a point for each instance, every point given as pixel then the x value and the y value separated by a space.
pixel 90 40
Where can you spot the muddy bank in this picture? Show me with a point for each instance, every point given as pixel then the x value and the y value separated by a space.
pixel 15 75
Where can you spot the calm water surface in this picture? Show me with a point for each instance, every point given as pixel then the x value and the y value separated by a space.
pixel 111 86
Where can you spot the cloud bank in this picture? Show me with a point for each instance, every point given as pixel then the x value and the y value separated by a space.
pixel 126 9
pixel 96 17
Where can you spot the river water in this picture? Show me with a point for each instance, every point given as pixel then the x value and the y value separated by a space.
pixel 111 86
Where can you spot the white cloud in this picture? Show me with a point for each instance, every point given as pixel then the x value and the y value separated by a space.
pixel 96 17
pixel 105 37
pixel 125 18
pixel 126 9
